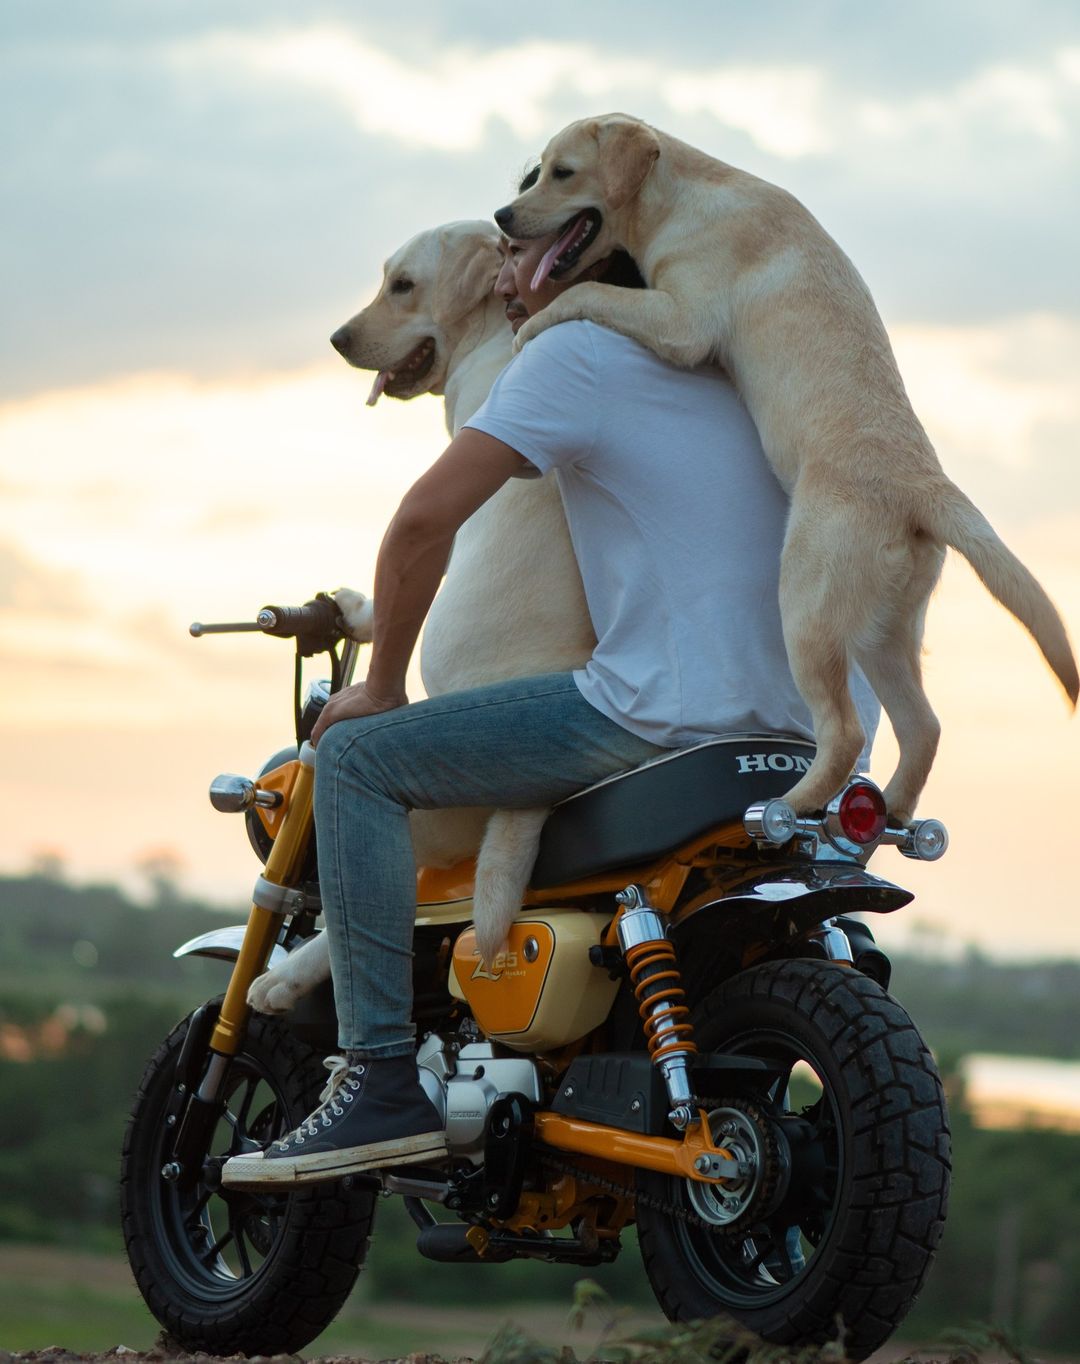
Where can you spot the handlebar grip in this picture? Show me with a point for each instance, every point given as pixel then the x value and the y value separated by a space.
pixel 286 622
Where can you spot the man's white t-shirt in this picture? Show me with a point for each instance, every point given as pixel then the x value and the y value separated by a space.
pixel 677 522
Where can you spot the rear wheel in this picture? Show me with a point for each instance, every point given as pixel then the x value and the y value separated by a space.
pixel 229 1272
pixel 850 1157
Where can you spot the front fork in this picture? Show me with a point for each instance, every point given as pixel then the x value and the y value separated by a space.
pixel 272 899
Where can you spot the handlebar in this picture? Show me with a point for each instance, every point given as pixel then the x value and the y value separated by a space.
pixel 316 626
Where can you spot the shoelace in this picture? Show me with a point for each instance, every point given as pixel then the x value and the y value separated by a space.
pixel 341 1084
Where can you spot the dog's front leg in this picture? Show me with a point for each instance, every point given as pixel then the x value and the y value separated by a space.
pixel 677 332
pixel 277 990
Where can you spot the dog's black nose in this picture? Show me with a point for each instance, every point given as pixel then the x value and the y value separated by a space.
pixel 340 341
pixel 504 217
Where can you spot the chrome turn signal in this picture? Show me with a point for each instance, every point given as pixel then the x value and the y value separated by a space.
pixel 773 822
pixel 926 840
pixel 232 794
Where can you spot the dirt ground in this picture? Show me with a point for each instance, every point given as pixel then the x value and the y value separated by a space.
pixel 55 1354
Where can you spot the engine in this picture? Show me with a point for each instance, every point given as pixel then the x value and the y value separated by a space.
pixel 464 1081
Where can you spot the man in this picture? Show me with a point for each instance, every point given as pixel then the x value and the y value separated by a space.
pixel 677 524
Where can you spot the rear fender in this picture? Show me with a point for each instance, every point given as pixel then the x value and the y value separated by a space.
pixel 798 896
pixel 790 909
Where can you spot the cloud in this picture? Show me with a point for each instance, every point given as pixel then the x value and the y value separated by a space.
pixel 214 195
pixel 227 495
pixel 789 110
pixel 1040 102
pixel 446 103
pixel 449 101
pixel 992 394
pixel 29 586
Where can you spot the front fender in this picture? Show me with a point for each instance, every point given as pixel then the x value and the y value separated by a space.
pixel 225 944
pixel 800 895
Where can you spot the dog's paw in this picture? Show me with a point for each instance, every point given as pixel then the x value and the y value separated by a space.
pixel 358 613
pixel 528 330
pixel 270 994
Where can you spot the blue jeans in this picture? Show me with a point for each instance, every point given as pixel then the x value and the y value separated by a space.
pixel 528 742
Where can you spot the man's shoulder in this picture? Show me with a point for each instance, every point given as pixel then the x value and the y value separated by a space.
pixel 575 336
pixel 587 346
pixel 584 335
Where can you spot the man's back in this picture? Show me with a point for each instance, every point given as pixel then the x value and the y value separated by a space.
pixel 677 523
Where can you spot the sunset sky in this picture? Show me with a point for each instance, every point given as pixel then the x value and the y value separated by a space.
pixel 197 194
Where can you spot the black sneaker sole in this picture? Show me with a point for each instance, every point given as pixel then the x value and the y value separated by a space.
pixel 260 1172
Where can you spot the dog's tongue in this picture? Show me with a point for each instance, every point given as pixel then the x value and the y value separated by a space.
pixel 381 379
pixel 552 254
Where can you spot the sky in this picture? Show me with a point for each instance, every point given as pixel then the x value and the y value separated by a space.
pixel 195 195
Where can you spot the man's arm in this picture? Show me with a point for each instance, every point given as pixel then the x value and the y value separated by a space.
pixel 411 562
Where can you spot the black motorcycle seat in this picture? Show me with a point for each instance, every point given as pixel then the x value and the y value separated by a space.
pixel 638 816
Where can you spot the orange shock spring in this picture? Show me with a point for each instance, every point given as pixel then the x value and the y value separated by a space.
pixel 660 998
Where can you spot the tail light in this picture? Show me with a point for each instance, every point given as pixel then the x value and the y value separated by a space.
pixel 854 823
pixel 861 813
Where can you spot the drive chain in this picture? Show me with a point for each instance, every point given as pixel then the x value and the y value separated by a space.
pixel 555 1161
pixel 732 1231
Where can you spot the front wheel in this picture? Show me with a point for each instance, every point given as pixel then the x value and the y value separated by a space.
pixel 851 1151
pixel 228 1272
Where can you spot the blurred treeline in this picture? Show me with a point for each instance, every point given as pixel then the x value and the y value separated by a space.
pixel 88 987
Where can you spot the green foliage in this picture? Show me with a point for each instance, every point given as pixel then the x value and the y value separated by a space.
pixel 975 1004
pixel 720 1340
pixel 77 943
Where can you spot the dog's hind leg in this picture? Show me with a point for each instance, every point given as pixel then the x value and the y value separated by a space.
pixel 893 667
pixel 819 619
pixel 819 665
pixel 893 672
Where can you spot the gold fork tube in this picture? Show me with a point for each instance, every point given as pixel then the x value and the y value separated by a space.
pixel 283 867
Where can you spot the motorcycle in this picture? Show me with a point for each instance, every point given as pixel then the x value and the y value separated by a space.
pixel 688 1032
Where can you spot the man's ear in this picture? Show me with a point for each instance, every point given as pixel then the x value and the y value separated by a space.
pixel 468 269
pixel 628 149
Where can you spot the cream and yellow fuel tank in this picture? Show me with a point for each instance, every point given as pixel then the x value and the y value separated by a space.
pixel 543 991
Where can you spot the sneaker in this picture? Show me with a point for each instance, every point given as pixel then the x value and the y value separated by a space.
pixel 370 1115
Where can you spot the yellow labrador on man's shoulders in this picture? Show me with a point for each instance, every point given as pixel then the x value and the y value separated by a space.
pixel 739 271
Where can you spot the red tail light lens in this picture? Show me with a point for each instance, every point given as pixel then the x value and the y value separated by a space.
pixel 862 813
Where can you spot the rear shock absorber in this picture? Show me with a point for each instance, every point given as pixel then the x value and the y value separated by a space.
pixel 654 971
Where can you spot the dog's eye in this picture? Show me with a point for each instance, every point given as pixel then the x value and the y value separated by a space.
pixel 401 286
pixel 561 173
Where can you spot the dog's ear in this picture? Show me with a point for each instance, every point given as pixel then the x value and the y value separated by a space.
pixel 628 150
pixel 467 272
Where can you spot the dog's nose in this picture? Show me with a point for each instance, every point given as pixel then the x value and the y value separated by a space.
pixel 504 217
pixel 340 341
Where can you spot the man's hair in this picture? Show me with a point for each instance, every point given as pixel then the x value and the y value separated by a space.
pixel 621 269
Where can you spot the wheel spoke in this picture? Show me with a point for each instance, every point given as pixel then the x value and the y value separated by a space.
pixel 237 1121
pixel 217 1247
pixel 245 1107
pixel 195 1215
pixel 781 1256
pixel 778 1091
pixel 241 1248
pixel 751 1261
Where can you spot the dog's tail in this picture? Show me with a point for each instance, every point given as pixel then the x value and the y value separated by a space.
pixel 503 868
pixel 953 518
